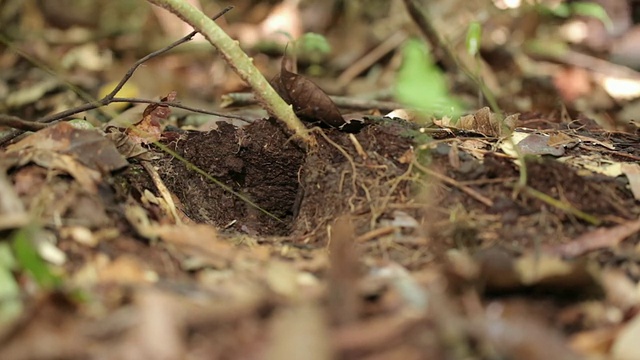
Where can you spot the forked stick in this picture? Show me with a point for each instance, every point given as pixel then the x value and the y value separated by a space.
pixel 239 62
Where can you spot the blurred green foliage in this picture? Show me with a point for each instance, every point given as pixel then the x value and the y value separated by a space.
pixel 312 46
pixel 421 85
pixel 10 304
pixel 474 37
pixel 28 259
pixel 19 254
pixel 581 8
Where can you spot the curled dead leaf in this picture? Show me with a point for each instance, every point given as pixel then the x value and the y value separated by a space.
pixel 149 128
pixel 309 102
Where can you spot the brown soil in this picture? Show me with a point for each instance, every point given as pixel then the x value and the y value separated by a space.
pixel 391 242
pixel 398 198
pixel 365 176
pixel 256 161
pixel 302 192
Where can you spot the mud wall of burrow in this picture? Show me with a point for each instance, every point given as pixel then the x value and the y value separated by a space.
pixel 302 191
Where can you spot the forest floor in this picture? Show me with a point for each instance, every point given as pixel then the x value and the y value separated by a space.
pixel 169 235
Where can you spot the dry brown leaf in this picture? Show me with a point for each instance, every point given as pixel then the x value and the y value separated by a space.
pixel 483 122
pixel 562 139
pixel 309 102
pixel 200 244
pixel 88 146
pixel 149 128
pixel 88 178
pixel 125 145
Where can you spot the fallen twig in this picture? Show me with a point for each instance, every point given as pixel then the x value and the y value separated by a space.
pixel 179 106
pixel 243 99
pixel 17 123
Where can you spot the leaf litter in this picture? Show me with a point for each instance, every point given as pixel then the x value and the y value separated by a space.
pixel 379 243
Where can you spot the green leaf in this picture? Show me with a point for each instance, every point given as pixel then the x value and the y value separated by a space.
pixel 474 37
pixel 561 10
pixel 6 257
pixel 312 42
pixel 593 10
pixel 582 8
pixel 546 47
pixel 29 260
pixel 420 83
pixel 81 124
pixel 10 303
pixel 312 47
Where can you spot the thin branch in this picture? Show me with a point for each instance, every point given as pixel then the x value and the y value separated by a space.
pixel 76 110
pixel 109 97
pixel 10 135
pixel 179 106
pixel 17 123
pixel 20 125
